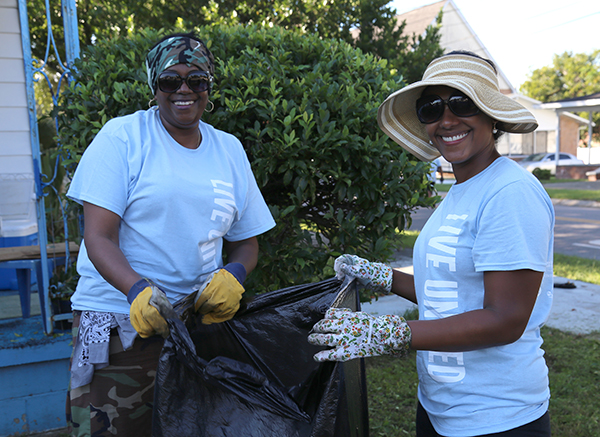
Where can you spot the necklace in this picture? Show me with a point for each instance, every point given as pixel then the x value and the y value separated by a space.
pixel 199 139
pixel 197 142
pixel 183 142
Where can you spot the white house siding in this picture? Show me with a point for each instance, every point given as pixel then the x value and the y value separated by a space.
pixel 457 34
pixel 17 197
pixel 539 141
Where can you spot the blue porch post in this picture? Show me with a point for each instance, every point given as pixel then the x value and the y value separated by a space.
pixel 72 48
pixel 69 10
pixel 43 283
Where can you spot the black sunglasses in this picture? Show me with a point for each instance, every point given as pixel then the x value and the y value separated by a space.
pixel 431 108
pixel 197 81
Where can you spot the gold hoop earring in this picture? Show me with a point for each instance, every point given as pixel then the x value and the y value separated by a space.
pixel 153 99
pixel 212 106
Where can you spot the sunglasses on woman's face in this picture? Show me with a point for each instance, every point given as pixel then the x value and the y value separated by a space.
pixel 431 108
pixel 197 81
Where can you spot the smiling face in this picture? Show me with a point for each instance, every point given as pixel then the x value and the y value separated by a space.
pixel 180 111
pixel 466 142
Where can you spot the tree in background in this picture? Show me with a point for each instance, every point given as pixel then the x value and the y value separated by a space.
pixel 378 31
pixel 570 75
pixel 422 49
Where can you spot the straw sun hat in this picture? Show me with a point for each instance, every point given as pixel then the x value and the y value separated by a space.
pixel 476 78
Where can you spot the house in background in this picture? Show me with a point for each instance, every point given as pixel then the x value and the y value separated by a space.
pixel 590 104
pixel 457 34
pixel 543 139
pixel 18 217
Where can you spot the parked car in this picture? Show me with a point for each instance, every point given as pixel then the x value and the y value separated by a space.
pixel 546 161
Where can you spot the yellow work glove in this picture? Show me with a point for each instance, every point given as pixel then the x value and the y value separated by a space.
pixel 218 298
pixel 148 302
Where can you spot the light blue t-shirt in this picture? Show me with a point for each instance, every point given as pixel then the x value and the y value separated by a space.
pixel 499 220
pixel 176 205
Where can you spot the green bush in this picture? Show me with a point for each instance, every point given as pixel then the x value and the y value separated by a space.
pixel 541 174
pixel 305 110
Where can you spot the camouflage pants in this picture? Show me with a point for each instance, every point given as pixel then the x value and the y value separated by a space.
pixel 119 399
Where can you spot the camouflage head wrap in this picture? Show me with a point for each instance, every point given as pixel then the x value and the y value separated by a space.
pixel 177 50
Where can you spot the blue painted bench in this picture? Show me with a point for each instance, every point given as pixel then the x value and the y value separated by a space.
pixel 26 260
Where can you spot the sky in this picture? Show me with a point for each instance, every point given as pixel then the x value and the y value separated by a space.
pixel 523 35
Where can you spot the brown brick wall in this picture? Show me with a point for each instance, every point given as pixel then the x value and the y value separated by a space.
pixel 569 135
pixel 573 171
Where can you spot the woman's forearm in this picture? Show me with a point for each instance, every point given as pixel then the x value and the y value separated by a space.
pixel 403 285
pixel 101 237
pixel 111 263
pixel 244 252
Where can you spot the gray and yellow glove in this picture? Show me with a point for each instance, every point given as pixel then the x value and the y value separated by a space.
pixel 359 335
pixel 149 307
pixel 218 298
pixel 376 276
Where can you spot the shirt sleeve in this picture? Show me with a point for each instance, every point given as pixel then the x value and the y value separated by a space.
pixel 514 230
pixel 102 176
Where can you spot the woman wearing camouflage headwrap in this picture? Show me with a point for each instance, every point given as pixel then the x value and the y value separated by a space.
pixel 165 197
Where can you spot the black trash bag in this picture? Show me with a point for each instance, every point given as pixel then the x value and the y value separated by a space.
pixel 255 374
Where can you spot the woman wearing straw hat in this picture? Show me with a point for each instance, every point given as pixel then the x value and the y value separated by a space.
pixel 482 264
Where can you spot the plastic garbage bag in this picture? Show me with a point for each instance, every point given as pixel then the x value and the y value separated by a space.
pixel 255 376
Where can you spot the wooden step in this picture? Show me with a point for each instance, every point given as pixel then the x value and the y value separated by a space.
pixel 33 252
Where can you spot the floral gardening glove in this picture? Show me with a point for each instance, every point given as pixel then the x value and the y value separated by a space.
pixel 376 276
pixel 359 335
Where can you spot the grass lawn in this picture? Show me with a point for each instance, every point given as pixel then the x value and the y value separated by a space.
pixel 560 193
pixel 555 193
pixel 573 361
pixel 580 269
